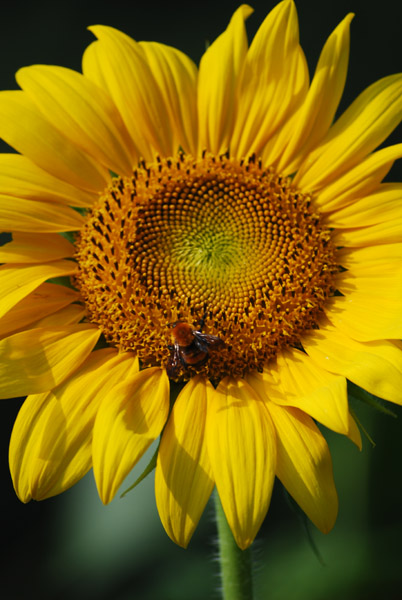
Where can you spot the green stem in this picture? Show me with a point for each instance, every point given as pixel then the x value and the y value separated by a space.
pixel 235 564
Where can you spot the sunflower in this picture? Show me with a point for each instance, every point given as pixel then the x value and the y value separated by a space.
pixel 205 234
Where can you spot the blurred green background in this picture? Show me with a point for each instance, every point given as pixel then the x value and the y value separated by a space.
pixel 72 547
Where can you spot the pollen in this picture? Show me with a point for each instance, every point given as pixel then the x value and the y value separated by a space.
pixel 225 245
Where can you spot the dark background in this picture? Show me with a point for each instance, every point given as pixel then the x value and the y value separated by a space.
pixel 73 547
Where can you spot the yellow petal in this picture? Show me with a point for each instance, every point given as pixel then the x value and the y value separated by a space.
pixel 371 307
pixel 37 360
pixel 304 465
pixel 372 257
pixel 129 419
pixel 16 282
pixel 17 214
pixel 50 447
pixel 45 300
pixel 363 126
pixel 279 139
pixel 131 85
pixel 374 366
pixel 354 433
pixel 33 248
pixel 384 204
pixel 295 380
pixel 20 177
pixel 80 110
pixel 219 70
pixel 242 451
pixel 379 277
pixel 273 82
pixel 69 315
pixel 23 444
pixel 366 319
pixel 367 275
pixel 176 76
pixel 183 477
pixel 24 128
pixel 312 121
pixel 92 66
pixel 356 185
pixel 388 232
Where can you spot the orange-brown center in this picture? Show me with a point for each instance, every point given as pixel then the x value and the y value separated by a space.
pixel 226 246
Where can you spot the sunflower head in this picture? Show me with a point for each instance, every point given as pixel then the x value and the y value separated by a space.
pixel 212 241
pixel 232 241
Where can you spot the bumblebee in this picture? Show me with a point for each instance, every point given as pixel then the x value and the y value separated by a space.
pixel 190 348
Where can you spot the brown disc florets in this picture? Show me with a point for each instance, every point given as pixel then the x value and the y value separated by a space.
pixel 215 240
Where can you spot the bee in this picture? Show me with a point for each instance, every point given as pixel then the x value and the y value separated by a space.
pixel 191 347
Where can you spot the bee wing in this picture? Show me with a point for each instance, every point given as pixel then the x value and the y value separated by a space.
pixel 205 340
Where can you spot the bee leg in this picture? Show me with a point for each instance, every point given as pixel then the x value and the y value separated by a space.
pixel 183 361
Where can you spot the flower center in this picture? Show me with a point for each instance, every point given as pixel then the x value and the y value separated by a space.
pixel 227 247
